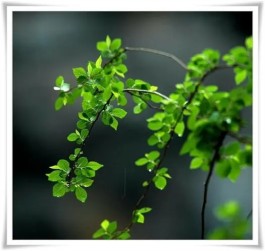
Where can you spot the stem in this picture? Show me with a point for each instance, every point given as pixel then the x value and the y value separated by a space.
pixel 162 53
pixel 208 179
pixel 147 91
pixel 241 139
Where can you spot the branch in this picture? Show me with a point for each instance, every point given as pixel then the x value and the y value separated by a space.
pixel 162 53
pixel 241 139
pixel 150 105
pixel 147 91
pixel 208 178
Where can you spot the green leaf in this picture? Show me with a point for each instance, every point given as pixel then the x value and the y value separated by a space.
pixel 155 125
pixel 112 227
pixel 160 182
pixel 196 163
pixel 94 165
pixel 223 168
pixel 119 113
pixel 108 41
pixel 116 44
pixel 59 81
pixel 249 43
pixel 99 62
pixel 144 210
pixel 179 129
pixel 86 182
pixel 72 137
pixel 79 72
pixel 81 194
pixel 64 165
pixel 99 233
pixel 228 211
pixel 105 224
pixel 59 103
pixel 59 190
pixel 84 133
pixel 114 124
pixel 82 162
pixel 153 155
pixel 55 176
pixel 124 236
pixel 102 46
pixel 240 76
pixel 141 162
pixel 232 149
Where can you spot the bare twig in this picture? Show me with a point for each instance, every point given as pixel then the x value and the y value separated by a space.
pixel 162 53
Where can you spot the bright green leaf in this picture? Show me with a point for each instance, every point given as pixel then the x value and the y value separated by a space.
pixel 64 165
pixel 94 165
pixel 81 194
pixel 118 112
pixel 59 190
pixel 160 182
pixel 55 176
pixel 116 44
pixel 141 162
pixel 240 76
pixel 105 224
pixel 179 129
pixel 72 137
pixel 196 163
pixel 79 72
pixel 59 103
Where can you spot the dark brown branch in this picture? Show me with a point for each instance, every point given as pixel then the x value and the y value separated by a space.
pixel 208 179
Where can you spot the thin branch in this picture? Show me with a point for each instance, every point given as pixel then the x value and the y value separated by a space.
pixel 70 175
pixel 162 53
pixel 208 179
pixel 241 139
pixel 150 105
pixel 147 91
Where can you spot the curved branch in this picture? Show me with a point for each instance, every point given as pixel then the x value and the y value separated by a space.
pixel 162 53
pixel 208 179
pixel 147 91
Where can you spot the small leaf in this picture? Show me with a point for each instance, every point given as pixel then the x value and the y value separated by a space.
pixel 155 125
pixel 59 81
pixel 141 162
pixel 81 194
pixel 144 210
pixel 114 124
pixel 55 176
pixel 153 155
pixel 84 133
pixel 64 165
pixel 179 129
pixel 79 72
pixel 59 190
pixel 118 112
pixel 100 232
pixel 72 137
pixel 116 44
pixel 105 224
pixel 59 103
pixel 160 182
pixel 240 76
pixel 94 165
pixel 112 227
pixel 99 62
pixel 196 163
pixel 102 46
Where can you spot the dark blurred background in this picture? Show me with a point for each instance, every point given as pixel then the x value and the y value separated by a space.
pixel 49 44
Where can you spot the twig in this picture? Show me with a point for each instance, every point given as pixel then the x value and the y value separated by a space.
pixel 241 139
pixel 208 178
pixel 162 53
pixel 148 92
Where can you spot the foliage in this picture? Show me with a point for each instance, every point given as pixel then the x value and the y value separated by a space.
pixel 201 113
pixel 235 224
